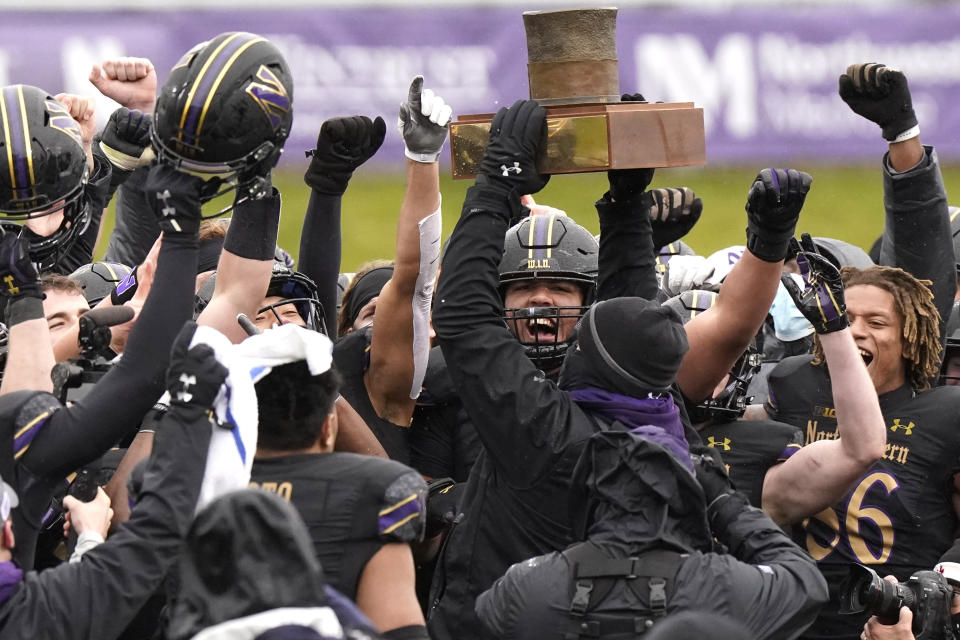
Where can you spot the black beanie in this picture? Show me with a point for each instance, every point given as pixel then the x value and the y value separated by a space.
pixel 633 346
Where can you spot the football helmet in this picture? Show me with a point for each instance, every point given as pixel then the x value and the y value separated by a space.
pixel 731 402
pixel 43 170
pixel 99 279
pixel 549 247
pixel 225 112
pixel 951 351
pixel 295 288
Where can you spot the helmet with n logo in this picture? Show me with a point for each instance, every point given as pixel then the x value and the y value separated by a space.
pixel 43 168
pixel 225 112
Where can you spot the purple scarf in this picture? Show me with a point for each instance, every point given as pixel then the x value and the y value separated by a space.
pixel 656 419
pixel 10 577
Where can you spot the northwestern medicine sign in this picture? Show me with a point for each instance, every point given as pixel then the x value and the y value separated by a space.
pixel 766 77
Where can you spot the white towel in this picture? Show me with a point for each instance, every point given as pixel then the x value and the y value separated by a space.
pixel 234 443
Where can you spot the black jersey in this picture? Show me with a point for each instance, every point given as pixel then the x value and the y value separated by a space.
pixel 352 506
pixel 443 440
pixel 351 356
pixel 899 517
pixel 749 448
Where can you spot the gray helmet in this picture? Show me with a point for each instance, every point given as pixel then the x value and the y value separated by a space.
pixel 99 279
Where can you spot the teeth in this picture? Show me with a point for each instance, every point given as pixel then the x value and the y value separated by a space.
pixel 542 322
pixel 864 353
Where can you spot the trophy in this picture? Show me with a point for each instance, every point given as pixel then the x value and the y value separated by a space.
pixel 572 70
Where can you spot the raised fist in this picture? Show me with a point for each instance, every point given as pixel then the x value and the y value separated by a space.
pixel 673 213
pixel 125 140
pixel 131 82
pixel 423 122
pixel 881 95
pixel 18 276
pixel 342 145
pixel 511 156
pixel 773 207
pixel 821 301
pixel 81 109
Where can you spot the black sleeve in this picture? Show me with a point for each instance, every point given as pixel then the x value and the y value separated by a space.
pixel 522 419
pixel 916 234
pixel 100 595
pixel 80 433
pixel 81 252
pixel 320 251
pixel 627 264
pixel 768 583
pixel 136 228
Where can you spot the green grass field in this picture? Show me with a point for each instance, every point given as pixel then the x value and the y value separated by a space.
pixel 844 202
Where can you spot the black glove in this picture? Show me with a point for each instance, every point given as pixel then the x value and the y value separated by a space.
pixel 18 276
pixel 423 122
pixel 673 213
pixel 627 183
pixel 511 156
pixel 443 504
pixel 175 198
pixel 773 206
pixel 724 503
pixel 821 301
pixel 343 145
pixel 125 138
pixel 194 376
pixel 881 95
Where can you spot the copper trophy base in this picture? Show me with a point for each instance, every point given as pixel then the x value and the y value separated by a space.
pixel 582 138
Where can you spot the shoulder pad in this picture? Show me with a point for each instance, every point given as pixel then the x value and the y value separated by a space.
pixel 402 515
pixel 23 415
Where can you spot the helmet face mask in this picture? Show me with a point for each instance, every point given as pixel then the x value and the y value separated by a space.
pixel 224 114
pixel 43 171
pixel 542 249
pixel 294 288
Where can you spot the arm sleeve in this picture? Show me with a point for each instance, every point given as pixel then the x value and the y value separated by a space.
pixel 80 433
pixel 627 264
pixel 136 228
pixel 768 583
pixel 98 596
pixel 96 194
pixel 320 251
pixel 523 420
pixel 916 234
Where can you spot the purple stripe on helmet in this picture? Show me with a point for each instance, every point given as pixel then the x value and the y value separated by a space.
pixel 24 439
pixel 540 226
pixel 399 514
pixel 17 142
pixel 200 95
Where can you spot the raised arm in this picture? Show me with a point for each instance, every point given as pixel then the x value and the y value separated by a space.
pixel 916 234
pixel 400 342
pixel 245 267
pixel 29 355
pixel 826 469
pixel 719 336
pixel 342 145
pixel 506 397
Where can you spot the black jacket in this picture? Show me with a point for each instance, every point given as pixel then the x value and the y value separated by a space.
pixel 532 432
pixel 100 595
pixel 777 599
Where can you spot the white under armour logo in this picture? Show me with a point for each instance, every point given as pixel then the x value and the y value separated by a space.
pixel 508 170
pixel 167 210
pixel 186 381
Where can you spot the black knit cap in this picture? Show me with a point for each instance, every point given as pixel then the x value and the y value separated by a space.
pixel 632 346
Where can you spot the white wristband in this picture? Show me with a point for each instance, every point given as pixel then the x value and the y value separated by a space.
pixel 912 132
pixel 425 158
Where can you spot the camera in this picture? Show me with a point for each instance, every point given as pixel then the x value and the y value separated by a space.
pixel 927 594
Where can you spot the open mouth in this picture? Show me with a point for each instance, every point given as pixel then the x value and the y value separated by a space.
pixel 867 356
pixel 542 329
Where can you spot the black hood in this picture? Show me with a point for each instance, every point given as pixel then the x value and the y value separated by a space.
pixel 247 552
pixel 638 494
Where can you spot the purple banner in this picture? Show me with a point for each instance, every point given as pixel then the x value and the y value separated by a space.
pixel 766 78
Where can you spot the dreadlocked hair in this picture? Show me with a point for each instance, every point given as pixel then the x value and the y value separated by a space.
pixel 913 300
